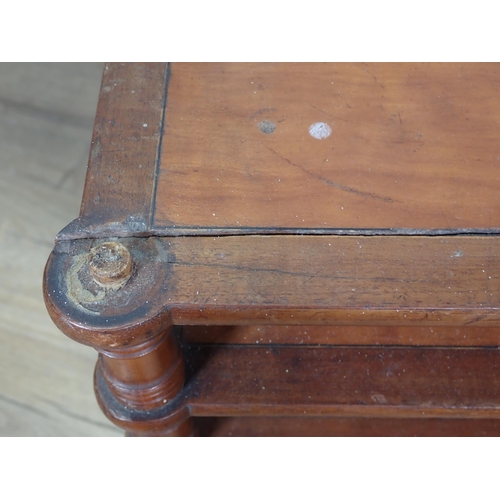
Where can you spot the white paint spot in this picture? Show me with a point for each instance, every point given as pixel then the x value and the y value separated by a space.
pixel 145 125
pixel 320 130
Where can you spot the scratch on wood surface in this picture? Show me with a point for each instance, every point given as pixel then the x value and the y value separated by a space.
pixel 478 318
pixel 374 77
pixel 332 116
pixel 334 184
pixel 309 275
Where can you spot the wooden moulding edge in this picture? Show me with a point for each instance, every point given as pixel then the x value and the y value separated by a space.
pixel 125 152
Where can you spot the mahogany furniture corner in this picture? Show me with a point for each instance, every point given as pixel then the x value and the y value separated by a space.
pixel 289 249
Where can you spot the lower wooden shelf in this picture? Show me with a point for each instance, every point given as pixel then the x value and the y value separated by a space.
pixel 345 427
pixel 343 381
pixel 328 391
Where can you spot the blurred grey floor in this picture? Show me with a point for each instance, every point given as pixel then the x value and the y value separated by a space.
pixel 46 118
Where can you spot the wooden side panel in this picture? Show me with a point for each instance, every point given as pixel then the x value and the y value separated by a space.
pixel 336 280
pixel 342 335
pixel 348 382
pixel 346 427
pixel 121 176
pixel 412 146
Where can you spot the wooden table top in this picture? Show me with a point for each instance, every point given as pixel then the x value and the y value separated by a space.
pixel 296 148
pixel 312 172
pixel 322 147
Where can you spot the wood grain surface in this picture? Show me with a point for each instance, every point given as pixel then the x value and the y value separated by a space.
pixel 341 280
pixel 298 381
pixel 318 151
pixel 412 147
pixel 356 381
pixel 121 179
pixel 288 280
pixel 389 335
pixel 346 427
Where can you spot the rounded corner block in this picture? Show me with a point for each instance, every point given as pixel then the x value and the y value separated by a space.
pixel 106 294
pixel 102 315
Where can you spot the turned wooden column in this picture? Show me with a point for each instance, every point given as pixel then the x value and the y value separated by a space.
pixel 104 294
pixel 145 378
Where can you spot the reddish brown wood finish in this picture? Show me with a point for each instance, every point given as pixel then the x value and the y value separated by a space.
pixel 121 179
pixel 336 280
pixel 407 383
pixel 392 241
pixel 294 280
pixel 187 428
pixel 343 335
pixel 345 427
pixel 140 362
pixel 126 132
pixel 412 146
pixel 146 376
pixel 354 382
pixel 412 150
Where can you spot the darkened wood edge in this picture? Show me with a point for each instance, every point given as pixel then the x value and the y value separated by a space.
pixel 368 335
pixel 318 382
pixel 120 189
pixel 121 177
pixel 139 421
pixel 85 228
pixel 79 229
pixel 336 280
pixel 169 230
pixel 288 280
pixel 346 427
pixel 125 317
pixel 144 377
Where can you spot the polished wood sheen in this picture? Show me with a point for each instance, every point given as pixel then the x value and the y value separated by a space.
pixel 146 376
pixel 341 280
pixel 468 336
pixel 305 249
pixel 412 146
pixel 354 381
pixel 288 280
pixel 346 427
pixel 126 133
